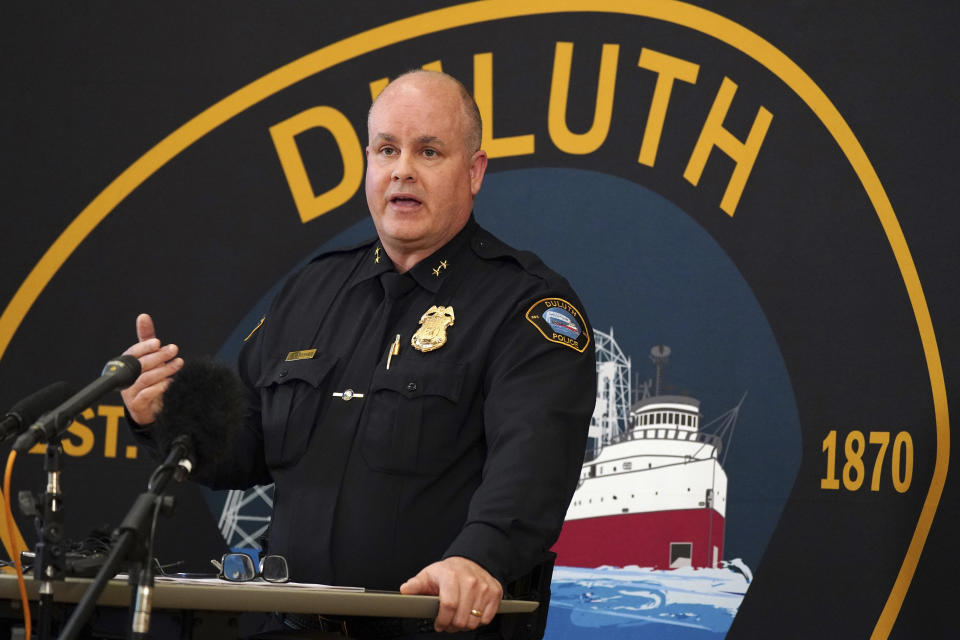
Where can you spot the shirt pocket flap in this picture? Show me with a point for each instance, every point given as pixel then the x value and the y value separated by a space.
pixel 418 380
pixel 312 371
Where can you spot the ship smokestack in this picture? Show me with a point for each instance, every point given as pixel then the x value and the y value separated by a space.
pixel 659 355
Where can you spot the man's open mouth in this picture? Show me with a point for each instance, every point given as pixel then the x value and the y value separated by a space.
pixel 405 200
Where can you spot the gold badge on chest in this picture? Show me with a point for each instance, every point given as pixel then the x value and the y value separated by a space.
pixel 432 333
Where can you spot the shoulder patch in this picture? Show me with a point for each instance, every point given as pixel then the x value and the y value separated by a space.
pixel 560 322
pixel 259 324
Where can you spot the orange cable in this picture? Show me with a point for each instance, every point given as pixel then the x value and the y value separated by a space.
pixel 8 474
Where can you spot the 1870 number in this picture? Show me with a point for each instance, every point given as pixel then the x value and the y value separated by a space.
pixel 854 471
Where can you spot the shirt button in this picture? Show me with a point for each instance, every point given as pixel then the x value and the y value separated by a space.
pixel 283 373
pixel 411 386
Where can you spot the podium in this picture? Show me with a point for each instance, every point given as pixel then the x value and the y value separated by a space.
pixel 217 601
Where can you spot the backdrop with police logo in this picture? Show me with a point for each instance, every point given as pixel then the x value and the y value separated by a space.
pixel 763 189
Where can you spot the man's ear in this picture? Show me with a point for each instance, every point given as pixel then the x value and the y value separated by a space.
pixel 478 167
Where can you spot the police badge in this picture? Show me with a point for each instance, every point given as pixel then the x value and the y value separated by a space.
pixel 432 333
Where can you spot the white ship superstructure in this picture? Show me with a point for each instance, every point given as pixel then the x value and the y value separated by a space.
pixel 661 462
pixel 652 490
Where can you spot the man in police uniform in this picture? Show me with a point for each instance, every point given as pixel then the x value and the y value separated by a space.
pixel 420 401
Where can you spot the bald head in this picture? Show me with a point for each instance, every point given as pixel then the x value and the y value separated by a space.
pixel 437 80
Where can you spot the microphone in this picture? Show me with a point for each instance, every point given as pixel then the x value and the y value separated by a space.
pixel 202 409
pixel 30 408
pixel 206 403
pixel 117 373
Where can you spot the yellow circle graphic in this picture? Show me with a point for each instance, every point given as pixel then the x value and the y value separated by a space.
pixel 678 13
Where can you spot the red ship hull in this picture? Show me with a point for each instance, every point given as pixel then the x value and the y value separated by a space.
pixel 656 539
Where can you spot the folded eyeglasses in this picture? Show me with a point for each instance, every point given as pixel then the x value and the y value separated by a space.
pixel 239 567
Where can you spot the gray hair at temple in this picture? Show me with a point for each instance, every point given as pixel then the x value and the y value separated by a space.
pixel 470 109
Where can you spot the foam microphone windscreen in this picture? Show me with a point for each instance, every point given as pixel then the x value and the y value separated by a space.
pixel 27 411
pixel 208 402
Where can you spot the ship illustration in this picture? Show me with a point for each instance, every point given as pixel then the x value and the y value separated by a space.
pixel 652 490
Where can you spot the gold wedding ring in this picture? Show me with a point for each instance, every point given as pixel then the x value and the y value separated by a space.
pixel 476 612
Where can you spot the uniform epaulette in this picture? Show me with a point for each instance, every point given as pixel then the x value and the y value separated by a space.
pixel 489 247
pixel 323 253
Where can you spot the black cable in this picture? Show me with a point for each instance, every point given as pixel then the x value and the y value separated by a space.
pixel 155 476
pixel 89 600
pixel 153 531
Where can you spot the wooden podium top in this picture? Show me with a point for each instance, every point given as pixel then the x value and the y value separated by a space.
pixel 220 595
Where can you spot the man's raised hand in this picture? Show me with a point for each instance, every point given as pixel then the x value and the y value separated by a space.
pixel 158 362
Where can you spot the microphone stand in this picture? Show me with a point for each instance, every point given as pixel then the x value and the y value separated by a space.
pixel 133 539
pixel 141 603
pixel 49 558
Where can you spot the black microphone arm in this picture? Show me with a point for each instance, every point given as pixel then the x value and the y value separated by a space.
pixel 117 373
pixel 133 543
pixel 26 412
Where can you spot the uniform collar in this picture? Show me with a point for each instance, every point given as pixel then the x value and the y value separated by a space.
pixel 431 272
pixel 373 262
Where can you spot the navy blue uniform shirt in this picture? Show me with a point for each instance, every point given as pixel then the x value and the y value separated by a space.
pixel 471 449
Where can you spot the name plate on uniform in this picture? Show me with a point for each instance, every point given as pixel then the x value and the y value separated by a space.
pixel 306 354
